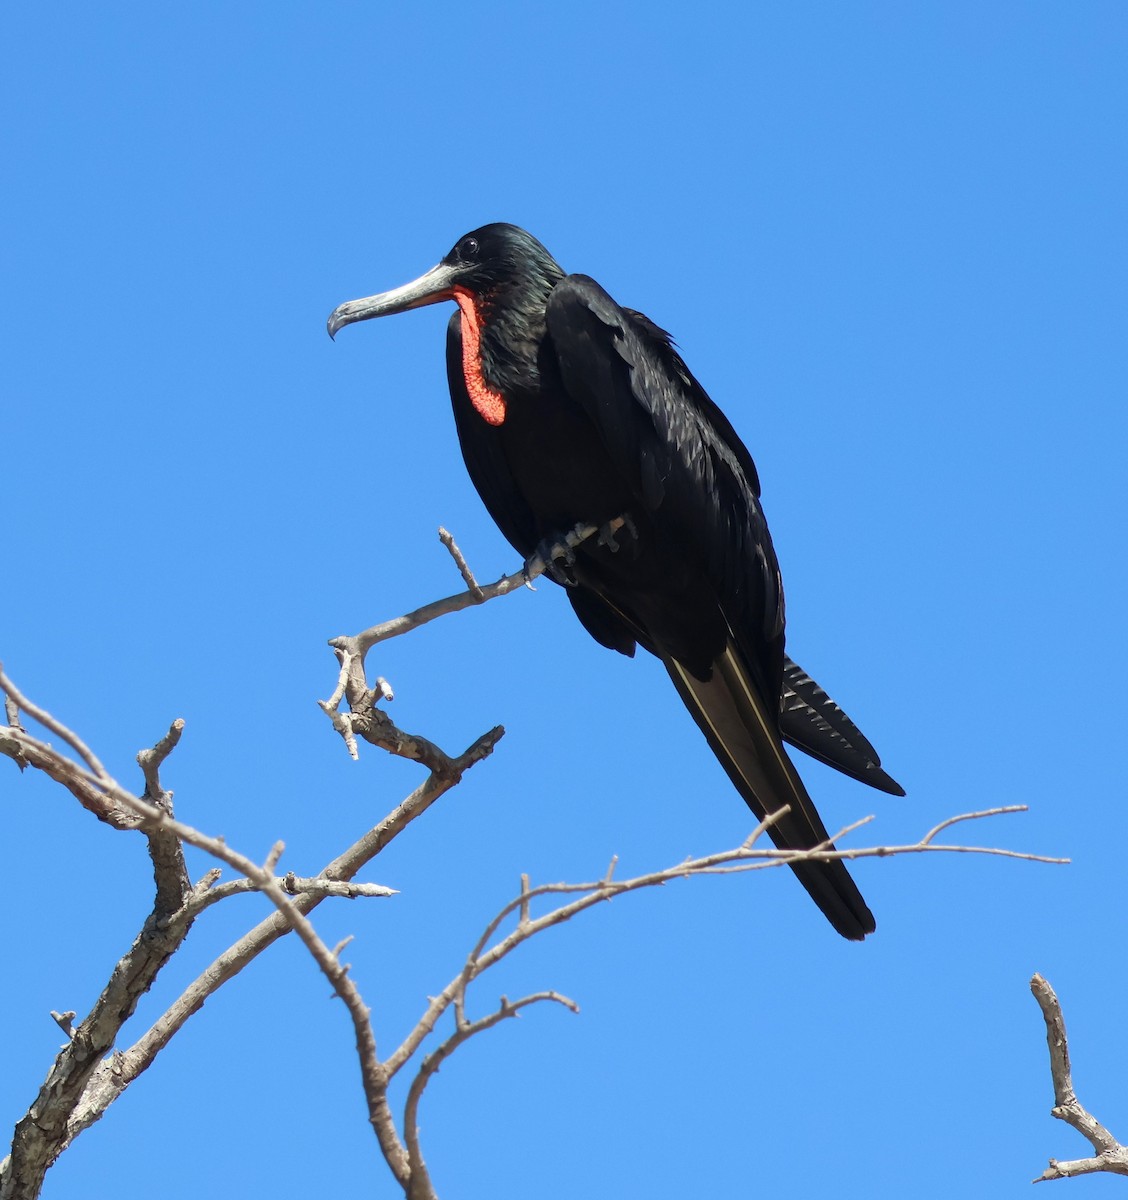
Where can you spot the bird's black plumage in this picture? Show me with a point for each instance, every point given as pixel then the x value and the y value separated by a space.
pixel 572 409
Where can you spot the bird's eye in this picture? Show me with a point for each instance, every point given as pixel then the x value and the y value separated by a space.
pixel 468 248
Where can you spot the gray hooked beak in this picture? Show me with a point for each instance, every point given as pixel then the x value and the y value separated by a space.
pixel 438 284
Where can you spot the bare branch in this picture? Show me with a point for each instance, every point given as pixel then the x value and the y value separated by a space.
pixel 477 594
pixel 344 657
pixel 1111 1156
pixel 9 745
pixel 746 857
pixel 448 541
pixel 973 816
pixel 42 1134
pixel 45 719
pixel 156 817
pixel 294 898
pixel 152 760
pixel 291 884
pixel 27 750
pixel 526 925
pixel 296 886
pixel 83 1082
pixel 464 1031
pixel 170 872
pixel 365 720
pixel 65 1021
pixel 113 1076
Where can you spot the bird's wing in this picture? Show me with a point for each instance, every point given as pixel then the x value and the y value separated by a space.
pixel 681 458
pixel 696 483
pixel 811 721
pixel 485 460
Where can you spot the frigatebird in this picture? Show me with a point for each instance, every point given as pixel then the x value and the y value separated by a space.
pixel 570 410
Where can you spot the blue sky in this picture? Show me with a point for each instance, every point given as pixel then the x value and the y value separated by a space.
pixel 890 240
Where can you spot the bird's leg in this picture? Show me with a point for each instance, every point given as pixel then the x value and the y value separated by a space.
pixel 558 559
pixel 608 532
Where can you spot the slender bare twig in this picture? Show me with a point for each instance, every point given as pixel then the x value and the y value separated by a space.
pixel 447 539
pixel 44 718
pixel 294 885
pixel 1111 1156
pixel 464 1030
pixel 291 884
pixel 478 594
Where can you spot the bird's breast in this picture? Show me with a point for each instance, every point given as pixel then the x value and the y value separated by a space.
pixel 488 404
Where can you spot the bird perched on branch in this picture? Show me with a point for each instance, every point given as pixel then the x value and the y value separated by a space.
pixel 570 410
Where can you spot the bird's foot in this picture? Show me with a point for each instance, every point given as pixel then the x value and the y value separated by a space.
pixel 558 559
pixel 612 530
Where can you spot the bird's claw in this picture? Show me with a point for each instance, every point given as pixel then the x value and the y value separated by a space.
pixel 608 533
pixel 558 559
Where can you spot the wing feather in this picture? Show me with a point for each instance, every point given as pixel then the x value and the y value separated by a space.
pixel 690 472
pixel 810 720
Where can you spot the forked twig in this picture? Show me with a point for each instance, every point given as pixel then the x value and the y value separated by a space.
pixel 1111 1156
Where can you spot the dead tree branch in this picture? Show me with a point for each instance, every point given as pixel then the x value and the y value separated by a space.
pixel 494 944
pixel 42 1134
pixel 364 719
pixel 748 856
pixel 1111 1156
pixel 86 1079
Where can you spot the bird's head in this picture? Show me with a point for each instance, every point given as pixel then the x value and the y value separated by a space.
pixel 498 264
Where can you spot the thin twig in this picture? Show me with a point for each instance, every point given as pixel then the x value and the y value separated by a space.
pixel 448 541
pixel 463 1033
pixel 292 885
pixel 45 719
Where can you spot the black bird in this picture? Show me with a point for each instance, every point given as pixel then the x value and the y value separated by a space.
pixel 571 409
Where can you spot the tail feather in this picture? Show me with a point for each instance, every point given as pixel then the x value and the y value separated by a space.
pixel 746 740
pixel 810 720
